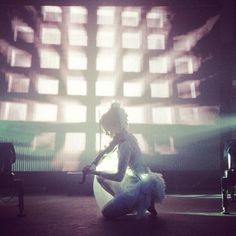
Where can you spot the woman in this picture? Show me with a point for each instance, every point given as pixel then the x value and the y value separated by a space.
pixel 133 187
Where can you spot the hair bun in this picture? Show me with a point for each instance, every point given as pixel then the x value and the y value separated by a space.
pixel 115 105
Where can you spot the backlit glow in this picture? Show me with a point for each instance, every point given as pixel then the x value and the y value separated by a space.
pixel 75 113
pixel 74 142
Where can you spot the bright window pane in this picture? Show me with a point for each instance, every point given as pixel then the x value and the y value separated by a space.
pixel 189 115
pixel 132 62
pixel 75 113
pixel 50 35
pixel 18 83
pixel 52 13
pixel 77 60
pixel 78 36
pixel 131 40
pixel 160 89
pixel 184 65
pixel 156 41
pixel 47 85
pixel 105 38
pixel 13 111
pixel 74 142
pixel 45 112
pixel 20 58
pixel 182 43
pixel 136 114
pixel 133 89
pixel 49 59
pixel 78 15
pixel 158 65
pixel 23 32
pixel 188 89
pixel 76 85
pixel 105 87
pixel 106 16
pixel 44 140
pixel 155 18
pixel 162 115
pixel 105 61
pixel 131 16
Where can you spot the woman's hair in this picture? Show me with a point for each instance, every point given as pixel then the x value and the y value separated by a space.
pixel 114 117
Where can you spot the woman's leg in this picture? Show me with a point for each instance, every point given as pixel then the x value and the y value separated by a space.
pixel 117 207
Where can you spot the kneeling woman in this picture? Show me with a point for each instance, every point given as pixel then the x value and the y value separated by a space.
pixel 133 187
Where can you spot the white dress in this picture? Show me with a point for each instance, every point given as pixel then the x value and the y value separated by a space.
pixel 138 186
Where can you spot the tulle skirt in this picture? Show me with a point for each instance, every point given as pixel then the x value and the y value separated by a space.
pixel 132 195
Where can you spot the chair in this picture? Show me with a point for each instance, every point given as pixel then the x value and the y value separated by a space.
pixel 7 178
pixel 228 181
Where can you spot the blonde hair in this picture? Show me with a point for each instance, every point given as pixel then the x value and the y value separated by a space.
pixel 115 116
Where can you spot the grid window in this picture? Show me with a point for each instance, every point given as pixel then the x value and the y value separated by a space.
pixel 131 16
pixel 105 61
pixel 155 18
pixel 20 58
pixel 75 113
pixel 50 35
pixel 132 62
pixel 106 16
pixel 18 83
pixel 162 115
pixel 52 13
pixel 44 140
pixel 160 89
pixel 189 115
pixel 24 32
pixel 78 15
pixel 49 59
pixel 156 41
pixel 76 85
pixel 47 85
pixel 77 60
pixel 78 36
pixel 131 40
pixel 74 142
pixel 158 65
pixel 188 89
pixel 182 43
pixel 184 65
pixel 105 38
pixel 13 111
pixel 133 89
pixel 45 112
pixel 105 87
pixel 136 114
